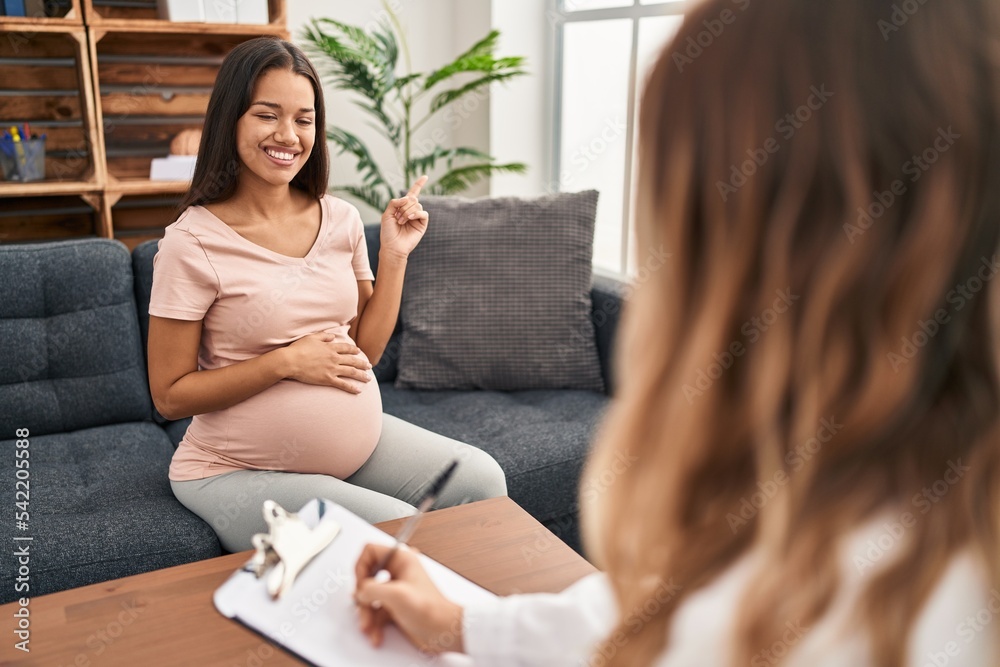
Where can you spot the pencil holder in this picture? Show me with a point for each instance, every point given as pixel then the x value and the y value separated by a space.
pixel 22 160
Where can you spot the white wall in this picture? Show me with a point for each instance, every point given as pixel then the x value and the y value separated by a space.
pixel 521 110
pixel 437 31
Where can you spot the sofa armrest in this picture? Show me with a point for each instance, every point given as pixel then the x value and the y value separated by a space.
pixel 607 296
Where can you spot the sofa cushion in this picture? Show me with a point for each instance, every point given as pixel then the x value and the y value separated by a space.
pixel 101 508
pixel 176 430
pixel 497 296
pixel 606 296
pixel 71 357
pixel 540 438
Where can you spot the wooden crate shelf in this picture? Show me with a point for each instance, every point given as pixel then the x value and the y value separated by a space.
pixel 8 189
pixel 139 217
pixel 67 13
pixel 46 82
pixel 49 218
pixel 110 85
pixel 144 186
pixel 142 17
pixel 148 93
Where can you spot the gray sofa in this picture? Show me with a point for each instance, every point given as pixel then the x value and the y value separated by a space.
pixel 73 317
pixel 73 373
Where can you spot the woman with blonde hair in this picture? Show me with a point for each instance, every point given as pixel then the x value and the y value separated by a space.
pixel 824 177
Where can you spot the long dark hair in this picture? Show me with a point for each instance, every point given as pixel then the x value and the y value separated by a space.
pixel 217 171
pixel 815 352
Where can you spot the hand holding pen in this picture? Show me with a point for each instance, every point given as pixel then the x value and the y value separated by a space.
pixel 408 597
pixel 406 532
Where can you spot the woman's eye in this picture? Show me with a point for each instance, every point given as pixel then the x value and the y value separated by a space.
pixel 305 122
pixel 264 116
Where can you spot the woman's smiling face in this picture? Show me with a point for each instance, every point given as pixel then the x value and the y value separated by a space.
pixel 276 134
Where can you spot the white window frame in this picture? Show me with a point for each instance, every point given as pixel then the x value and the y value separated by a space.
pixel 562 12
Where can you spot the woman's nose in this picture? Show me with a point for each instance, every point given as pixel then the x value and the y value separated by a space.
pixel 285 134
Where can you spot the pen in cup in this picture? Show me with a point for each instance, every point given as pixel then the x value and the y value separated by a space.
pixel 17 150
pixel 22 153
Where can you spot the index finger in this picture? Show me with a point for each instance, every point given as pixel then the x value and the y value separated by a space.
pixel 415 190
pixel 369 558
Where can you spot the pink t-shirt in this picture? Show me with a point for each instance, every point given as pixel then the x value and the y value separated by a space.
pixel 253 300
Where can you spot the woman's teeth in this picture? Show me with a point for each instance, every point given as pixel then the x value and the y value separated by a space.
pixel 279 156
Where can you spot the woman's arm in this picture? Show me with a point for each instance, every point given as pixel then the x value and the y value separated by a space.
pixel 378 307
pixel 550 630
pixel 403 225
pixel 180 390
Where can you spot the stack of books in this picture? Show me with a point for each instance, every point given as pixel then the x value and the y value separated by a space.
pixel 215 11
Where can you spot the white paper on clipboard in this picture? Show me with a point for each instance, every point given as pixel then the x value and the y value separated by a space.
pixel 317 620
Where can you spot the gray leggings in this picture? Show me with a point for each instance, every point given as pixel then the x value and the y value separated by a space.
pixel 405 460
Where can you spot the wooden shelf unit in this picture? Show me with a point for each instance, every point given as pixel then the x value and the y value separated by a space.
pixel 50 218
pixel 62 14
pixel 135 218
pixel 46 82
pixel 150 86
pixel 112 16
pixel 110 90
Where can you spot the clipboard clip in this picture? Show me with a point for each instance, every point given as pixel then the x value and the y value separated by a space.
pixel 288 546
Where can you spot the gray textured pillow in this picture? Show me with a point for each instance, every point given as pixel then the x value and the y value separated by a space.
pixel 497 296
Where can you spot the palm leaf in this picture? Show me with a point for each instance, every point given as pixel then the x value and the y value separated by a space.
pixel 449 96
pixel 463 178
pixel 470 61
pixel 379 51
pixel 349 143
pixel 425 163
pixel 362 46
pixel 390 52
pixel 393 129
pixel 359 77
pixel 360 62
pixel 366 193
pixel 365 61
pixel 343 69
pixel 403 81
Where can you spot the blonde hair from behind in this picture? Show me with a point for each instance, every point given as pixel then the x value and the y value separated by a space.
pixel 832 300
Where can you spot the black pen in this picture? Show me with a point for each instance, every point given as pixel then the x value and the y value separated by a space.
pixel 411 524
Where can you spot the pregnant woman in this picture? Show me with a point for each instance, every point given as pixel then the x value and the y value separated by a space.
pixel 264 322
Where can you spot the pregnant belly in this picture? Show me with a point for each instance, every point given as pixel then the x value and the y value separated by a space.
pixel 296 427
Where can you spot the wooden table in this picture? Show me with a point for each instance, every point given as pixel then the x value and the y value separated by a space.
pixel 166 617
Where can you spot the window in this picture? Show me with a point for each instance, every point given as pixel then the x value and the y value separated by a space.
pixel 604 50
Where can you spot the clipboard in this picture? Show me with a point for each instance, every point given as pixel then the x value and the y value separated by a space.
pixel 317 620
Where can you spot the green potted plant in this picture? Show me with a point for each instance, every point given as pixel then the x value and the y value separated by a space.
pixel 365 62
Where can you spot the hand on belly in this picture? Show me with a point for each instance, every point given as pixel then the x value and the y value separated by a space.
pixel 329 359
pixel 300 427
